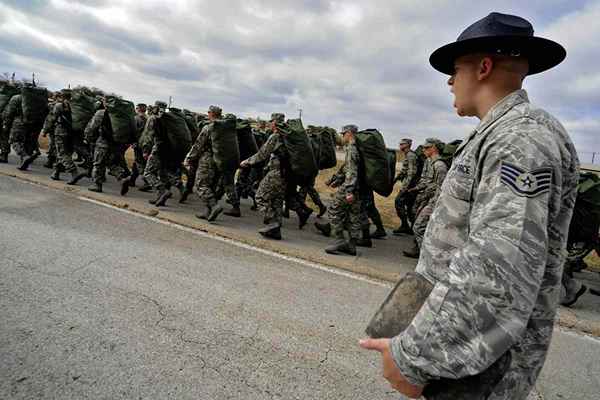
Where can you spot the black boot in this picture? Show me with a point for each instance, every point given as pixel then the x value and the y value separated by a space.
pixel 323 227
pixel 96 187
pixel 214 213
pixel 55 174
pixel 50 163
pixel 286 212
pixel 414 252
pixel 135 172
pixel 403 229
pixel 303 215
pixel 234 211
pixel 379 233
pixel 146 187
pixel 204 214
pixel 125 182
pixel 365 240
pixel 322 210
pixel 158 196
pixel 26 162
pixel 341 246
pixel 162 200
pixel 272 231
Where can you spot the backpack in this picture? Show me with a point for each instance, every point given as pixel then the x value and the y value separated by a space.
pixel 448 150
pixel 246 140
pixel 375 168
pixel 174 128
pixel 190 120
pixel 6 92
pixel 323 147
pixel 121 114
pixel 585 222
pixel 82 109
pixel 34 101
pixel 301 158
pixel 226 151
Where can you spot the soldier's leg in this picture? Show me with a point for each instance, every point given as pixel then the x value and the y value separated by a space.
pixel 51 153
pixel 4 144
pixel 337 214
pixel 373 214
pixel 101 156
pixel 419 228
pixel 205 182
pixel 17 140
pixel 231 194
pixel 64 152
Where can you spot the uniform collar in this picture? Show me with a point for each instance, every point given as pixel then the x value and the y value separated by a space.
pixel 501 108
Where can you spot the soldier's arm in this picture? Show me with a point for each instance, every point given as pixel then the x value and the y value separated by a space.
pixel 422 183
pixel 49 122
pixel 440 172
pixel 337 178
pixel 265 150
pixel 198 145
pixel 411 168
pixel 351 170
pixel 10 112
pixel 483 306
pixel 90 133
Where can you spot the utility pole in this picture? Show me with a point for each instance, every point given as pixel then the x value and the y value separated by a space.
pixel 170 101
pixel 300 113
pixel 33 79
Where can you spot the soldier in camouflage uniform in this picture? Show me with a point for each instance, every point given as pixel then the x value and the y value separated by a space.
pixel 139 161
pixel 19 132
pixel 495 246
pixel 407 176
pixel 345 209
pixel 159 172
pixel 427 190
pixel 271 191
pixel 97 132
pixel 48 131
pixel 192 168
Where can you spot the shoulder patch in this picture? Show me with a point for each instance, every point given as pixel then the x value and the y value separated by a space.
pixel 526 183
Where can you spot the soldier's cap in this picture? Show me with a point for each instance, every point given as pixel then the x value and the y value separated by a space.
pixel 160 104
pixel 141 105
pixel 278 117
pixel 432 142
pixel 406 141
pixel 215 109
pixel 352 128
pixel 502 34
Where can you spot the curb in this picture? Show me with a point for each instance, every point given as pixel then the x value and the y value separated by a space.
pixel 566 318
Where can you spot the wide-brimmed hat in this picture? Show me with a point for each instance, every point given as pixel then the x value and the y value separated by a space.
pixel 502 34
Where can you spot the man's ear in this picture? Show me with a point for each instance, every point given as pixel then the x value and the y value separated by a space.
pixel 485 67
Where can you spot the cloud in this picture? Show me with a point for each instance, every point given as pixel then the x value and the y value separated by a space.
pixel 338 61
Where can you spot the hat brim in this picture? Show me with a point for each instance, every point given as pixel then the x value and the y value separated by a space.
pixel 541 53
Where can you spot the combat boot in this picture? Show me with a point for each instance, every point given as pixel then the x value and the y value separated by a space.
pixel 76 177
pixel 26 162
pixel 341 246
pixel 146 187
pixel 96 187
pixel 214 213
pixel 184 195
pixel 286 212
pixel 125 182
pixel 157 197
pixel 49 163
pixel 3 158
pixel 135 172
pixel 303 215
pixel 55 175
pixel 162 200
pixel 414 252
pixel 403 230
pixel 204 214
pixel 322 210
pixel 379 233
pixel 323 227
pixel 272 231
pixel 233 212
pixel 365 240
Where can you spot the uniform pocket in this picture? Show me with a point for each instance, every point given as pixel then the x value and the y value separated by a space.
pixel 459 185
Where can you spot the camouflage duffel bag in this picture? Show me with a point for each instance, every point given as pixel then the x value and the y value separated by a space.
pixel 121 114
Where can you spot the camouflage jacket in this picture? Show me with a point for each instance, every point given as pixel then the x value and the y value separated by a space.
pixel 202 147
pixel 268 152
pixel 151 139
pixel 140 124
pixel 408 170
pixel 347 174
pixel 94 128
pixel 58 119
pixel 430 183
pixel 12 111
pixel 494 251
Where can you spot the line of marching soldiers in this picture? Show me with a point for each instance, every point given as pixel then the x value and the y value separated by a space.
pixel 89 149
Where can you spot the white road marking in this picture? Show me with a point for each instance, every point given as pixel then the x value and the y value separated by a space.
pixel 242 245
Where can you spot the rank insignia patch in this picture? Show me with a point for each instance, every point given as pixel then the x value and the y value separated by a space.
pixel 526 183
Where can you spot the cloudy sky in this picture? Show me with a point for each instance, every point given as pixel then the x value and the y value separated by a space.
pixel 339 61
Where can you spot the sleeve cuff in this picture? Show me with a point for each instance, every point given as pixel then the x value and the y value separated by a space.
pixel 404 363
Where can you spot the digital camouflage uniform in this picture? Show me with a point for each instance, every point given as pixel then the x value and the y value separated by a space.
pixel 97 133
pixel 160 172
pixel 63 137
pixel 20 134
pixel 138 153
pixel 407 176
pixel 494 252
pixel 271 191
pixel 429 187
pixel 343 215
pixel 49 126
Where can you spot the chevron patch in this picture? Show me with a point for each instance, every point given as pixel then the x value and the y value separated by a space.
pixel 526 183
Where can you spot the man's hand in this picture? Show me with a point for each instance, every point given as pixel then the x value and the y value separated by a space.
pixel 186 164
pixel 349 198
pixel 390 370
pixel 244 164
pixel 43 133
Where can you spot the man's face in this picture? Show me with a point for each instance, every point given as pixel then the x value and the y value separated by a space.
pixel 347 137
pixel 404 147
pixel 211 116
pixel 464 84
pixel 428 151
pixel 141 110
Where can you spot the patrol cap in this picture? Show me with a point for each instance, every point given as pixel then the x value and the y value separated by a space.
pixel 352 128
pixel 160 104
pixel 432 142
pixel 215 109
pixel 141 105
pixel 406 141
pixel 278 117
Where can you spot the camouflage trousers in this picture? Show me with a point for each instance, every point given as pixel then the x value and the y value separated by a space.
pixel 160 173
pixel 368 209
pixel 103 157
pixel 345 216
pixel 404 206
pixel 212 184
pixel 64 151
pixel 21 139
pixel 247 180
pixel 4 141
pixel 270 196
pixel 421 222
pixel 51 147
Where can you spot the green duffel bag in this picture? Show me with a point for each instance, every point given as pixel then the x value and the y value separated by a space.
pixel 375 162
pixel 175 129
pixel 392 159
pixel 82 109
pixel 34 101
pixel 190 120
pixel 226 151
pixel 121 114
pixel 327 157
pixel 246 140
pixel 302 160
pixel 6 92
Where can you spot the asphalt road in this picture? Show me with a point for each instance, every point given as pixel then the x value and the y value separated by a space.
pixel 97 303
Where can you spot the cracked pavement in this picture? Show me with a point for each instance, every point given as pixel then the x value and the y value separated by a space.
pixel 99 304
